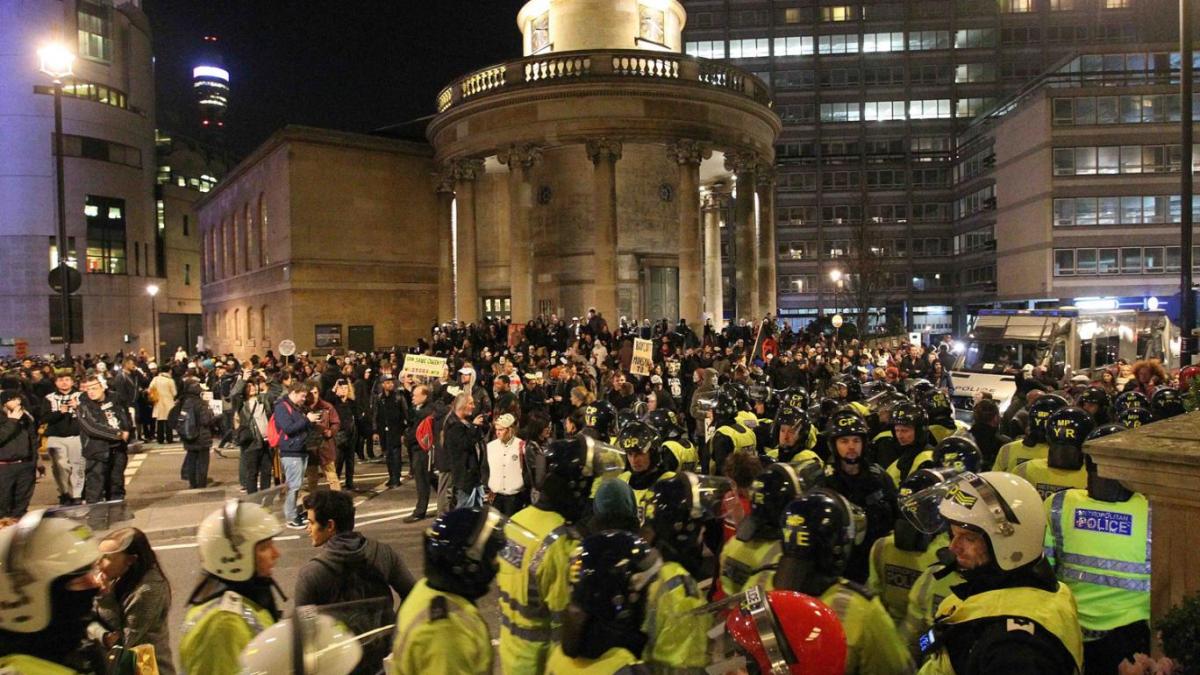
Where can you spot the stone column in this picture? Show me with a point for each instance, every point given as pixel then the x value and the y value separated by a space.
pixel 445 197
pixel 604 154
pixel 714 300
pixel 767 292
pixel 466 293
pixel 688 154
pixel 520 160
pixel 743 165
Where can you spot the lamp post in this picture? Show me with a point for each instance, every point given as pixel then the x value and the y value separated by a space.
pixel 56 60
pixel 1187 311
pixel 835 275
pixel 152 291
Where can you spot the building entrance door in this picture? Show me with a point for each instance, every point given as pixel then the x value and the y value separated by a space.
pixel 661 293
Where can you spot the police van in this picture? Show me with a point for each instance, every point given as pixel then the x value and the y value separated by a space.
pixel 1064 341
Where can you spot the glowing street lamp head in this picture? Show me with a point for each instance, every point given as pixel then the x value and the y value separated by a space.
pixel 835 275
pixel 152 289
pixel 56 60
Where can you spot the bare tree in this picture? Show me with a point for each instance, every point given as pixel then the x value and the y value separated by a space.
pixel 867 276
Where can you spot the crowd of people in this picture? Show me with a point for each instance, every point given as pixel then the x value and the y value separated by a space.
pixel 783 484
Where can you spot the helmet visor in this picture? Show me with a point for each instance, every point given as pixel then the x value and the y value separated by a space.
pixel 805 475
pixel 708 494
pixel 964 498
pixel 706 402
pixel 602 460
pixel 493 520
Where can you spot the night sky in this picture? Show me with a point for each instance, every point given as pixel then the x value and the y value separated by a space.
pixel 357 65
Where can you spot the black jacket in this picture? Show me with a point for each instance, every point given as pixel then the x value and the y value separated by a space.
pixel 389 414
pixel 58 421
pixel 101 424
pixel 873 491
pixel 199 410
pixel 18 439
pixel 462 441
pixel 320 580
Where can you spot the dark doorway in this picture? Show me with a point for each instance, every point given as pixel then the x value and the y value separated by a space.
pixel 362 338
pixel 174 331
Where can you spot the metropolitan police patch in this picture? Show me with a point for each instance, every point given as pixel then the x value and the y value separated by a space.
pixel 1104 522
pixel 512 553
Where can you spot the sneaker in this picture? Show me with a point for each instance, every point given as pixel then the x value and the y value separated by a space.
pixel 297 524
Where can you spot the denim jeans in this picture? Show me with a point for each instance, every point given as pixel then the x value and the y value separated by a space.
pixel 293 475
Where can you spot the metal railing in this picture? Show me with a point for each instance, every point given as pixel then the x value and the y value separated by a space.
pixel 550 69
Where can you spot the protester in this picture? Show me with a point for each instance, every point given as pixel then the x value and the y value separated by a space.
pixel 135 596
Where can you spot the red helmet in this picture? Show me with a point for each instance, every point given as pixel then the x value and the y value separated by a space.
pixel 1186 374
pixel 788 633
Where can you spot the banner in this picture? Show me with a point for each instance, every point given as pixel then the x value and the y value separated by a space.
pixel 424 366
pixel 643 357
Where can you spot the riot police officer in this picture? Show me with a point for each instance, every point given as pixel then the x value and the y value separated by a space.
pixel 795 438
pixel 679 510
pixel 680 453
pixel 866 485
pixel 438 628
pixel 600 420
pixel 1096 401
pixel 940 412
pixel 1134 417
pixel 602 630
pixel 639 442
pixel 786 632
pixel 235 599
pixel 1033 444
pixel 959 453
pixel 46 593
pixel 532 579
pixel 731 435
pixel 1062 468
pixel 1099 544
pixel 819 534
pixel 1010 615
pixel 1166 402
pixel 755 547
pixel 310 642
pixel 910 430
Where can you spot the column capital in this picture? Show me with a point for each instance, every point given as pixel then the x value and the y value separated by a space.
pixel 764 175
pixel 526 155
pixel 465 169
pixel 604 149
pixel 715 198
pixel 443 181
pixel 688 151
pixel 741 161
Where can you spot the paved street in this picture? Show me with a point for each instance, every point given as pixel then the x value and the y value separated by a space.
pixel 170 513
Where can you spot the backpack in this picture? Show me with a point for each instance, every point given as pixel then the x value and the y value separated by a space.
pixel 273 435
pixel 425 433
pixel 185 425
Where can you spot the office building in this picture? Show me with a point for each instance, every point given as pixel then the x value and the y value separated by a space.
pixel 873 97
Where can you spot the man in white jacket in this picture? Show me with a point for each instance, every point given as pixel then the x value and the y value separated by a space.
pixel 504 471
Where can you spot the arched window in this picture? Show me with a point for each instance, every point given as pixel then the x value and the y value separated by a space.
pixel 237 326
pixel 234 241
pixel 250 332
pixel 266 324
pixel 264 256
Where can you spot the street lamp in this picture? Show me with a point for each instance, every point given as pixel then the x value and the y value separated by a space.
pixel 835 275
pixel 56 60
pixel 152 290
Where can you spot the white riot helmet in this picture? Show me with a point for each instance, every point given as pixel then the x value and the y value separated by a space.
pixel 227 538
pixel 34 553
pixel 307 643
pixel 1005 508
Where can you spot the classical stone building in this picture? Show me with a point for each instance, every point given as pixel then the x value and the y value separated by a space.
pixel 322 237
pixel 577 176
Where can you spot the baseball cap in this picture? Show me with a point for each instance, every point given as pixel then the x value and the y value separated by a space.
pixel 505 421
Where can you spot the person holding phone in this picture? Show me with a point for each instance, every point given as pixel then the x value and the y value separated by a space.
pixel 18 455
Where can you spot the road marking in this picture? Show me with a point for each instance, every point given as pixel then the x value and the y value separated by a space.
pixel 403 513
pixel 172 547
pixel 134 464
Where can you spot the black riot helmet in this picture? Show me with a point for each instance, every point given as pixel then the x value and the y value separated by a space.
pixel 1066 430
pixel 601 416
pixel 853 388
pixel 678 509
pixel 1166 402
pixel 959 453
pixel 1097 402
pixel 1039 412
pixel 1099 487
pixel 1132 418
pixel 845 423
pixel 1130 399
pixel 918 388
pixel 609 575
pixel 563 473
pixel 820 527
pixel 641 437
pixel 666 423
pixel 911 415
pixel 793 397
pixel 938 407
pixel 461 548
pixel 770 493
pixel 793 417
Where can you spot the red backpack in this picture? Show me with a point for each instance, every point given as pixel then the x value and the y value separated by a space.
pixel 273 433
pixel 425 434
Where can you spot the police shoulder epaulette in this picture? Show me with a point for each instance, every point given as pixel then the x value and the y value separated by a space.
pixel 859 588
pixel 438 609
pixel 231 602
